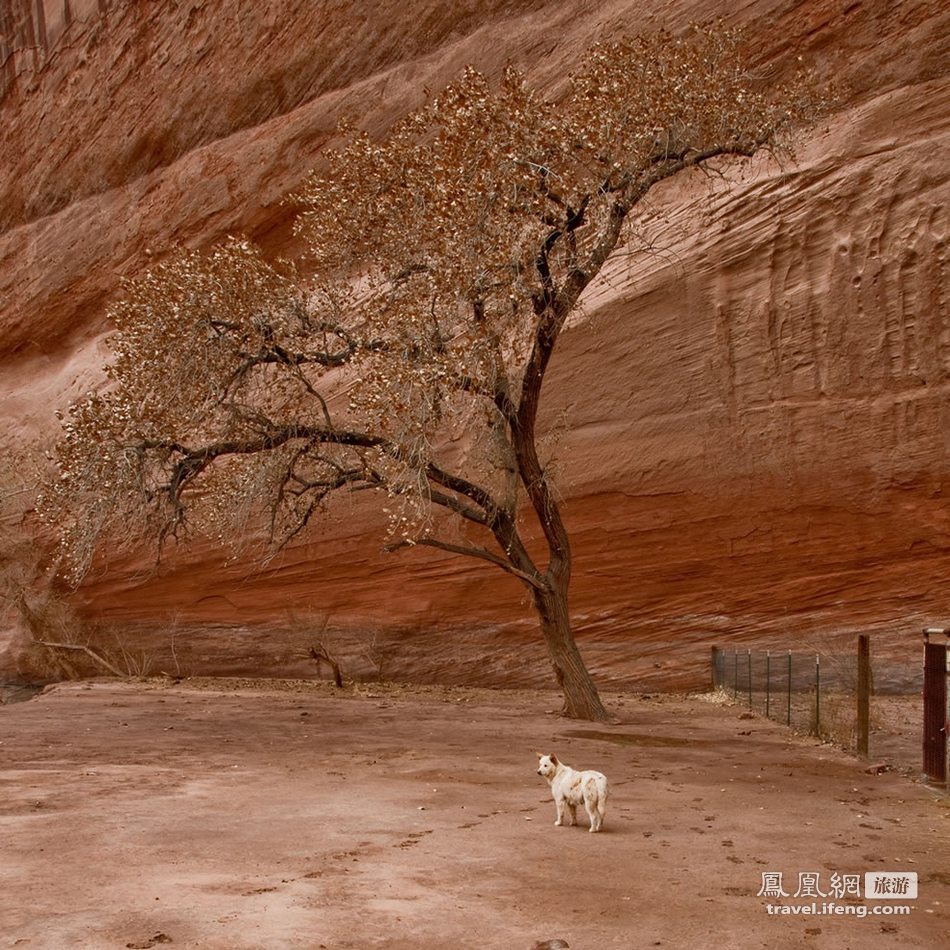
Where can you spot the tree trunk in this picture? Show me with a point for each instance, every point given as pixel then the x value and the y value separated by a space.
pixel 581 700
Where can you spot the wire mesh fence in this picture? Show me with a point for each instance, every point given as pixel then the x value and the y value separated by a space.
pixel 880 708
pixel 813 693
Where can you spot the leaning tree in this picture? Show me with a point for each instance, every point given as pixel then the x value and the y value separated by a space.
pixel 442 263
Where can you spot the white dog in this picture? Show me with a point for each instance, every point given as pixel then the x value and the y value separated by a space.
pixel 570 788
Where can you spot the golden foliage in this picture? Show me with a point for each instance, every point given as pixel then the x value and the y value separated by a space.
pixel 447 258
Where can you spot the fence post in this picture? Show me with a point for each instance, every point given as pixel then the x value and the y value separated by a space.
pixel 817 694
pixel 750 679
pixel 768 671
pixel 864 693
pixel 936 744
pixel 788 710
pixel 735 673
pixel 715 668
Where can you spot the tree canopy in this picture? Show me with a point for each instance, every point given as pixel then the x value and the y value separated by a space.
pixel 442 263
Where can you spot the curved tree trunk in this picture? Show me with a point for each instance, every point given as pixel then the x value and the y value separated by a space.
pixel 581 700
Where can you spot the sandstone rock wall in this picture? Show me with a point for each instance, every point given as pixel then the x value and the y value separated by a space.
pixel 753 427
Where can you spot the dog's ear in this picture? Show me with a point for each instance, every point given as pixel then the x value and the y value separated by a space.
pixel 554 760
pixel 540 755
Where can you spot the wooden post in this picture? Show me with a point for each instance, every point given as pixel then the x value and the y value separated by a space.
pixel 864 693
pixel 750 679
pixel 936 747
pixel 788 695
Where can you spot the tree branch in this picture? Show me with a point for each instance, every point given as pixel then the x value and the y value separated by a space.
pixel 482 554
pixel 94 655
pixel 462 486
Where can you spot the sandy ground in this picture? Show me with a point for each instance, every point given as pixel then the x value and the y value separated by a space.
pixel 223 815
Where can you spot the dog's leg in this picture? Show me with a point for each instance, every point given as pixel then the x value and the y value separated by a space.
pixel 560 811
pixel 593 811
pixel 573 809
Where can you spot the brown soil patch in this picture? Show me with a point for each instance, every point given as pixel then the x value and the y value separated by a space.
pixel 232 816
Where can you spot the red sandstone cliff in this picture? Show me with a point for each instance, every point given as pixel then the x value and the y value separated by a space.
pixel 757 425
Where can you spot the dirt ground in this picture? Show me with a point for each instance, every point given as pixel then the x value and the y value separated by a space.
pixel 229 815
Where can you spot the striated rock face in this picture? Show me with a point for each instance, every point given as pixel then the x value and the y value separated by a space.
pixel 753 428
